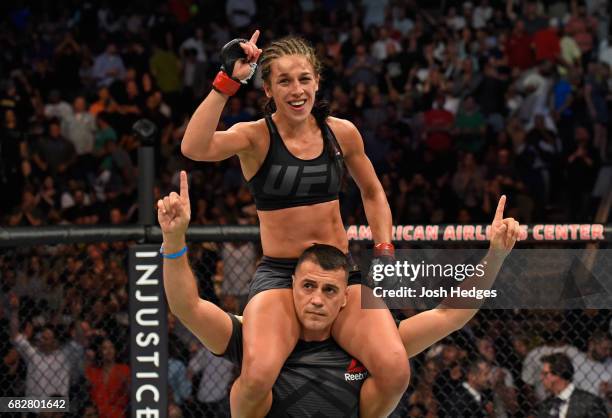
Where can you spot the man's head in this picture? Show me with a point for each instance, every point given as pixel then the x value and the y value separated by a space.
pixel 55 129
pixel 320 287
pixel 79 104
pixel 479 374
pixel 486 348
pixel 599 346
pixel 557 372
pixel 47 341
pixel 104 350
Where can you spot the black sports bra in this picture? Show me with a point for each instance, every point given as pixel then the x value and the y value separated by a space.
pixel 285 181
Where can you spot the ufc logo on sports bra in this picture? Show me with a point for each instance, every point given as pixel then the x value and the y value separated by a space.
pixel 309 177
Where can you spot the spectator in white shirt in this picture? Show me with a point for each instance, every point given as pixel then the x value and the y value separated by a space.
pixel 57 108
pixel 239 262
pixel 401 22
pixel 217 374
pixel 593 373
pixel 79 127
pixel 196 42
pixel 48 366
pixel 482 13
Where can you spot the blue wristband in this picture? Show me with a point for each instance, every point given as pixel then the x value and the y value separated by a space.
pixel 172 255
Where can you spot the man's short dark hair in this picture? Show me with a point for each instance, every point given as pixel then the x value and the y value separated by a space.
pixel 473 366
pixel 326 256
pixel 560 365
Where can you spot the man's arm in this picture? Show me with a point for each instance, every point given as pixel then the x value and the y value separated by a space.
pixel 426 328
pixel 209 323
pixel 20 341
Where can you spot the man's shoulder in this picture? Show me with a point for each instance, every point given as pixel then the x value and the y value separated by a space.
pixel 584 396
pixel 583 403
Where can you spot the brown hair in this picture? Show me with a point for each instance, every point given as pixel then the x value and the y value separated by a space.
pixel 560 365
pixel 291 45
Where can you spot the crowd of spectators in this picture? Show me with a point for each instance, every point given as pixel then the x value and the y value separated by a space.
pixel 456 105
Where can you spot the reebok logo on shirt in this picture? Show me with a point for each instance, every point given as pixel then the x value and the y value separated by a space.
pixel 355 371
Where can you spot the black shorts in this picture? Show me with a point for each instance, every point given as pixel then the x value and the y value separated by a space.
pixel 275 273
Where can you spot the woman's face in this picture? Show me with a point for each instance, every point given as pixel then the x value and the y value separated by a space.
pixel 293 85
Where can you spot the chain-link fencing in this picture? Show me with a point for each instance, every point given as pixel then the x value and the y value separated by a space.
pixel 65 331
pixel 65 326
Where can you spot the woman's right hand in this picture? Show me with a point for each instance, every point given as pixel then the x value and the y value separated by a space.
pixel 242 67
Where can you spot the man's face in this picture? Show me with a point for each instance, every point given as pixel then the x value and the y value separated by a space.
pixel 47 341
pixel 80 105
pixel 486 349
pixel 318 296
pixel 55 130
pixel 548 378
pixel 600 349
pixel 483 376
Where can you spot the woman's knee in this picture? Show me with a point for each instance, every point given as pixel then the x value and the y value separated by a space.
pixel 258 377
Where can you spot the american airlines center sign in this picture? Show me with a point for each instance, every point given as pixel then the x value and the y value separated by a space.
pixel 148 334
pixel 475 232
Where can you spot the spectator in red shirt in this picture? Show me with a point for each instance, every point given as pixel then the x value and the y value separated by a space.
pixel 547 43
pixel 109 382
pixel 438 125
pixel 520 54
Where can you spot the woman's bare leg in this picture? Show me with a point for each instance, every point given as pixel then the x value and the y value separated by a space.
pixel 371 336
pixel 271 330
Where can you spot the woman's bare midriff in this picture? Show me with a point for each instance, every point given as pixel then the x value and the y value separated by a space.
pixel 286 233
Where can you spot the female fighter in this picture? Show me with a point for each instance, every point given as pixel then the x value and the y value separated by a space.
pixel 292 160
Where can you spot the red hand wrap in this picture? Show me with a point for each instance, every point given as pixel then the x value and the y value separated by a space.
pixel 224 84
pixel 385 249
